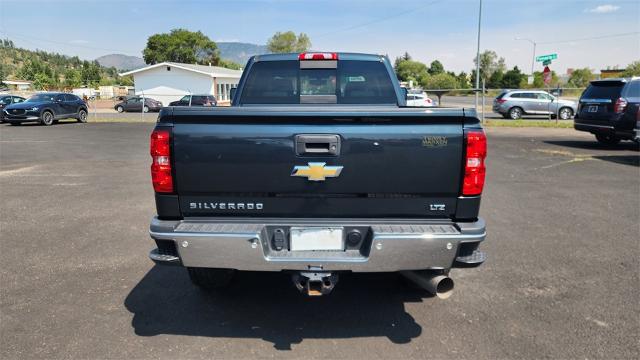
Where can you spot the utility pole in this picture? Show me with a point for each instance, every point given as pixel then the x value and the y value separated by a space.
pixel 533 58
pixel 478 55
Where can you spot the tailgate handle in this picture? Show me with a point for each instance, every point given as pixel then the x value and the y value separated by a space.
pixel 317 144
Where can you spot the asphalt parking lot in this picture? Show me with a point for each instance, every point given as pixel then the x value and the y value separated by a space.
pixel 562 278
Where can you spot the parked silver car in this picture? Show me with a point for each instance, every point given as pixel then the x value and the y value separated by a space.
pixel 513 104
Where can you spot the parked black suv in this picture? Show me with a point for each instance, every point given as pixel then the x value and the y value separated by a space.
pixel 47 109
pixel 609 109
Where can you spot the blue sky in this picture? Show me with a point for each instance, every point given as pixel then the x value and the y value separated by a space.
pixel 429 29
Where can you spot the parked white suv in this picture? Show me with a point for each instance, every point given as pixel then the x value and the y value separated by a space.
pixel 419 100
pixel 513 104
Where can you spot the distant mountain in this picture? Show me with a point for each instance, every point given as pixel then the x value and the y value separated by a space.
pixel 235 51
pixel 240 52
pixel 121 62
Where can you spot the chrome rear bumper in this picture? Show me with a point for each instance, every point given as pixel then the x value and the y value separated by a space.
pixel 391 245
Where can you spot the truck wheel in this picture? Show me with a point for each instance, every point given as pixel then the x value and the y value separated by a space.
pixel 607 139
pixel 210 279
pixel 515 113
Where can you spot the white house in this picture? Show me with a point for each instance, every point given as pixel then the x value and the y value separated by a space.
pixel 19 85
pixel 169 81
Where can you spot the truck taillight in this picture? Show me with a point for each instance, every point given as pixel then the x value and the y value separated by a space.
pixel 318 56
pixel 474 169
pixel 161 165
pixel 620 105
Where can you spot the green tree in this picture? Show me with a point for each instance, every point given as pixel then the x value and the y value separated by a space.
pixel 43 81
pixel 288 42
pixel 495 80
pixel 632 69
pixel 72 78
pixel 442 81
pixel 125 80
pixel 538 81
pixel 580 77
pixel 229 64
pixel 463 80
pixel 90 73
pixel 181 45
pixel 436 68
pixel 512 78
pixel 409 70
pixel 489 63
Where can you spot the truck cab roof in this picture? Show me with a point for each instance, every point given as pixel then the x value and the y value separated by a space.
pixel 295 56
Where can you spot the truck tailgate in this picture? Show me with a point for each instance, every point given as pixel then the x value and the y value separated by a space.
pixel 390 166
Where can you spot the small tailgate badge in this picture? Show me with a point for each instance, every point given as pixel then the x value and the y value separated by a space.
pixel 316 171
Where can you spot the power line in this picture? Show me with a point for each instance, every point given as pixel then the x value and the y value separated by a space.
pixel 379 19
pixel 590 38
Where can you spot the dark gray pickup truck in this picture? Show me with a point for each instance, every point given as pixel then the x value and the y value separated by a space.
pixel 318 168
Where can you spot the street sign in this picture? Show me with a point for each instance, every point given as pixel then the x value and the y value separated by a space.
pixel 542 58
pixel 546 62
pixel 546 75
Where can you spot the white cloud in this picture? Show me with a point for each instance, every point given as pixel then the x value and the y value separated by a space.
pixel 603 9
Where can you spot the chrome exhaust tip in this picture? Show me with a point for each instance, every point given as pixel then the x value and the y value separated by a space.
pixel 314 283
pixel 437 284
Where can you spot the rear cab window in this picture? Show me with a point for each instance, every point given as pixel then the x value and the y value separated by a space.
pixel 285 82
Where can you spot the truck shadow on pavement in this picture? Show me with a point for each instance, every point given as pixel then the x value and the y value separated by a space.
pixel 267 306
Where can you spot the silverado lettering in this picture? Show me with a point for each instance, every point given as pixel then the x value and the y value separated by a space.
pixel 223 206
pixel 318 168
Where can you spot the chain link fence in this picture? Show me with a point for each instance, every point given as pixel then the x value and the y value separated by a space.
pixel 104 109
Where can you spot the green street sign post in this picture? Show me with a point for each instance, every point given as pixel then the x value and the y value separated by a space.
pixel 542 58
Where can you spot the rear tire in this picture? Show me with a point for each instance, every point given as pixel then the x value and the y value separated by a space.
pixel 607 139
pixel 119 109
pixel 515 113
pixel 145 109
pixel 47 118
pixel 210 279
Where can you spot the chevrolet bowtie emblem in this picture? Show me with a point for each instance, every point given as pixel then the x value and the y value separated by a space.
pixel 316 171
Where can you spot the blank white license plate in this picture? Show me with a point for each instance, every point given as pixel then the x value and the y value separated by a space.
pixel 316 238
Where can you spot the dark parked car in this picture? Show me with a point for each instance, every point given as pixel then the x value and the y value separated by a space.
pixel 195 100
pixel 47 108
pixel 609 109
pixel 135 104
pixel 6 100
